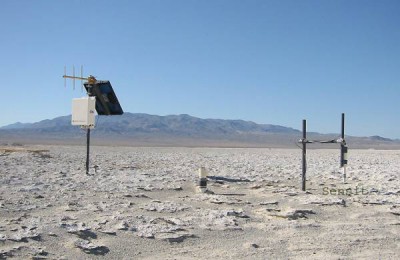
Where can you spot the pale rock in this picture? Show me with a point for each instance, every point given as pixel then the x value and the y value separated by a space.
pixel 90 248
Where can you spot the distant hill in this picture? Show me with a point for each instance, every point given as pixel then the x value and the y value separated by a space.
pixel 380 138
pixel 171 130
pixel 132 124
pixel 17 125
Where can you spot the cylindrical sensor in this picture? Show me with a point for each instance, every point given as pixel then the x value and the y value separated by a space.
pixel 202 177
pixel 345 150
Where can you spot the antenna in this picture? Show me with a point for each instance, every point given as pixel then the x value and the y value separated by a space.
pixel 90 80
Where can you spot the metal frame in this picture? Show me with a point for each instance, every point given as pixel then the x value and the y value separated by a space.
pixel 343 151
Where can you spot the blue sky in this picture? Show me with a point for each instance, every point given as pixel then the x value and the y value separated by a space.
pixel 274 62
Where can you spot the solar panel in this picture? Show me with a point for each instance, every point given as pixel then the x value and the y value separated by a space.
pixel 106 101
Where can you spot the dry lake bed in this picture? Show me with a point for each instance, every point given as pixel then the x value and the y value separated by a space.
pixel 143 203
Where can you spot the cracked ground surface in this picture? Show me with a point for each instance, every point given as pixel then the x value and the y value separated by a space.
pixel 143 203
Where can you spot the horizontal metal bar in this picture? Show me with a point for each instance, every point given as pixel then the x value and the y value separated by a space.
pixel 73 77
pixel 305 141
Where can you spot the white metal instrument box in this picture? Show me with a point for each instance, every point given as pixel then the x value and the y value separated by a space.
pixel 83 111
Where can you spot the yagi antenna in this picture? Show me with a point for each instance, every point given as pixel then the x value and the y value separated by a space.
pixel 91 79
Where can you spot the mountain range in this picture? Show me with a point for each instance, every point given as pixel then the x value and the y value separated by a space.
pixel 139 129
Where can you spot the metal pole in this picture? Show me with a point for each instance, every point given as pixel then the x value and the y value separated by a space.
pixel 303 175
pixel 87 149
pixel 342 144
pixel 343 125
pixel 343 152
pixel 89 93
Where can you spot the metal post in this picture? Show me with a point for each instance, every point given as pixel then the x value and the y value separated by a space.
pixel 89 93
pixel 303 175
pixel 342 144
pixel 87 149
pixel 345 150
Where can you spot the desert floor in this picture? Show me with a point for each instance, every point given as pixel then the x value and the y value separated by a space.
pixel 143 203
